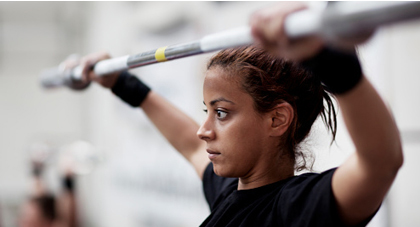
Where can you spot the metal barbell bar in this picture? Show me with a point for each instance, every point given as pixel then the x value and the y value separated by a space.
pixel 337 22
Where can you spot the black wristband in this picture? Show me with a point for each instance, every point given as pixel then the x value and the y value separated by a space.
pixel 130 89
pixel 338 71
pixel 36 171
pixel 68 183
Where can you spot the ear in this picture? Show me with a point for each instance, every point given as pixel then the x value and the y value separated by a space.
pixel 281 118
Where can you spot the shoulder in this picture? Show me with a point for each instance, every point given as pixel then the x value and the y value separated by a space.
pixel 310 178
pixel 308 184
pixel 313 193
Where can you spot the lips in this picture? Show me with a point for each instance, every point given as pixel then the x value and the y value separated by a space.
pixel 213 154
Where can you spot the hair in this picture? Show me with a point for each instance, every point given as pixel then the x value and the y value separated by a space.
pixel 271 81
pixel 46 204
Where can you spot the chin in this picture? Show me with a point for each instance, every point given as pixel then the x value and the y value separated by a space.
pixel 223 171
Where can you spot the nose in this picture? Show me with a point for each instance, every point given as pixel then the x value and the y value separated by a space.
pixel 205 132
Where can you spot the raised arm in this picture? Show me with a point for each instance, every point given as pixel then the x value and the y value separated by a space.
pixel 67 204
pixel 361 183
pixel 178 128
pixel 38 187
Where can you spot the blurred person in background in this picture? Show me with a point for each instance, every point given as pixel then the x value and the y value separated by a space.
pixel 261 102
pixel 1 220
pixel 44 209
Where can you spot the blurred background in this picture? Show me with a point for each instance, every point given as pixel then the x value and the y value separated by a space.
pixel 139 179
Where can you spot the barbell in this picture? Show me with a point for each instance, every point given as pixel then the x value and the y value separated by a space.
pixel 334 24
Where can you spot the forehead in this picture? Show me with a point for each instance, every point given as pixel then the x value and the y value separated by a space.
pixel 218 78
pixel 218 83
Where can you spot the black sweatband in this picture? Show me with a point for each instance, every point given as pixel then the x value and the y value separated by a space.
pixel 338 71
pixel 68 183
pixel 37 171
pixel 130 89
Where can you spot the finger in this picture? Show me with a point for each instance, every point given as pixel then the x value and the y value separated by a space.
pixel 68 64
pixel 303 48
pixel 267 26
pixel 83 65
pixel 92 75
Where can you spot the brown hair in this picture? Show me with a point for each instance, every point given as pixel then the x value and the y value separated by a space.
pixel 270 81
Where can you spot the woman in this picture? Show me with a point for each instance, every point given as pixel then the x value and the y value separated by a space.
pixel 259 108
pixel 44 209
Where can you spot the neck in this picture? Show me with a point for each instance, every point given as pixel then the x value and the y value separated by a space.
pixel 273 172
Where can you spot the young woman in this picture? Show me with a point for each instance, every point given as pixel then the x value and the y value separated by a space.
pixel 43 209
pixel 261 103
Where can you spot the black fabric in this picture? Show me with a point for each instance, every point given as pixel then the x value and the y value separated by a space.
pixel 338 71
pixel 301 201
pixel 130 89
pixel 47 205
pixel 37 171
pixel 68 183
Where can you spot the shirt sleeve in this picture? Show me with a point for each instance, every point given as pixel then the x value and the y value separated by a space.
pixel 310 201
pixel 216 188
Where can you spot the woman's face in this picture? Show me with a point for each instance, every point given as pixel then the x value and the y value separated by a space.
pixel 236 135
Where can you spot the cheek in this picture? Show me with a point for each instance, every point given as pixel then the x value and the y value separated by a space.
pixel 243 138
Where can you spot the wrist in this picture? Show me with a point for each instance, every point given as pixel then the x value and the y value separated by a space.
pixel 68 183
pixel 130 89
pixel 339 71
pixel 37 170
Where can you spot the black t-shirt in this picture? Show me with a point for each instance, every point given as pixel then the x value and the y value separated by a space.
pixel 304 200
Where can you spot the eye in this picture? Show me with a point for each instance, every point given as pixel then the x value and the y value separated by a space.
pixel 221 114
pixel 205 110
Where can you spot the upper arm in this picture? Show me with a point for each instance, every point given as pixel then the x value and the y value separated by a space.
pixel 358 191
pixel 361 183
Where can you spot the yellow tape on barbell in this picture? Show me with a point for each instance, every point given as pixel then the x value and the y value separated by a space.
pixel 160 54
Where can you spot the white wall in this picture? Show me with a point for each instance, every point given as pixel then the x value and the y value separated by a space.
pixel 143 181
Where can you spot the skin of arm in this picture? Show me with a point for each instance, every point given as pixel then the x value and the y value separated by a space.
pixel 67 214
pixel 38 186
pixel 361 183
pixel 178 128
pixel 66 210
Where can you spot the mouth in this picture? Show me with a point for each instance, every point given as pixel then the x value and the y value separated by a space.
pixel 213 154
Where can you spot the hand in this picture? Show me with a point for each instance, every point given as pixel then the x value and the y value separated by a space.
pixel 87 63
pixel 267 26
pixel 39 154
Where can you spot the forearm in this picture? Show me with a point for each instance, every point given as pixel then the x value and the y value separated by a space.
pixel 178 128
pixel 368 120
pixel 67 210
pixel 38 187
pixel 372 128
pixel 67 205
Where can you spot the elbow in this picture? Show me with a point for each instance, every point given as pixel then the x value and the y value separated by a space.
pixel 396 161
pixel 399 159
pixel 388 162
pixel 393 154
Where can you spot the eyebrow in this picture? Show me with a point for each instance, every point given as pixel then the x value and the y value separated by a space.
pixel 221 99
